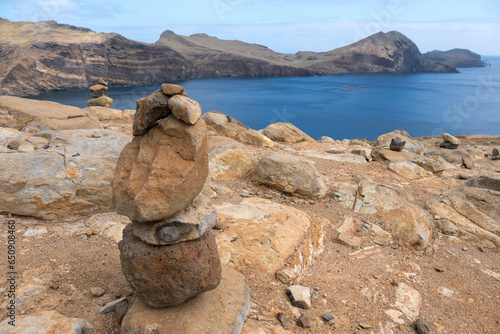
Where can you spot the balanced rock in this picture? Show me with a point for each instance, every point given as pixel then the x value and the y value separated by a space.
pixel 99 93
pixel 149 110
pixel 185 108
pixel 290 174
pixel 102 101
pixel 161 173
pixel 287 133
pixel 171 89
pixel 98 87
pixel 164 276
pixel 397 144
pixel 103 81
pixel 185 226
pixel 450 139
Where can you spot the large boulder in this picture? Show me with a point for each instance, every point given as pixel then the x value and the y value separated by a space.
pixel 228 159
pixel 290 174
pixel 220 124
pixel 46 322
pixel 286 133
pixel 26 114
pixel 161 173
pixel 407 169
pixel 223 310
pixel 164 276
pixel 70 176
pixel 474 209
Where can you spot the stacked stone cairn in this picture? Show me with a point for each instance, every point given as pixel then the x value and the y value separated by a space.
pixel 168 252
pixel 100 96
pixel 449 142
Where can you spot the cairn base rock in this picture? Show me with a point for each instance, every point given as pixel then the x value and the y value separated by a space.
pixel 164 276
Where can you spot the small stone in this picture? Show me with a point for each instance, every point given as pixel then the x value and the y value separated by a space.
pixel 103 81
pixel 447 227
pixel 111 306
pixel 450 139
pixel 185 109
pixel 495 154
pixel 423 326
pixel 464 249
pixel 300 296
pixel 102 101
pixel 121 311
pixel 364 325
pixel 87 330
pixel 448 146
pixel 245 193
pixel 97 292
pixel 98 87
pixel 468 162
pixel 328 317
pixel 99 93
pixel 171 89
pixel 439 270
pixel 304 322
pixel 397 144
pixel 282 318
pixel 286 275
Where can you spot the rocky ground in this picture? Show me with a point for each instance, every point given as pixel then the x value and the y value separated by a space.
pixel 371 275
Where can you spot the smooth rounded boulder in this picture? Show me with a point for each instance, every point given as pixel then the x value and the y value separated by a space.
pixel 164 276
pixel 161 173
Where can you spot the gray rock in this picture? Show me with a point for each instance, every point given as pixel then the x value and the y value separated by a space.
pixel 223 310
pixel 188 225
pixel 149 110
pixel 164 276
pixel 397 144
pixel 423 326
pixel 495 154
pixel 328 317
pixel 121 311
pixel 290 174
pixel 450 139
pixel 299 295
pixel 484 182
pixel 448 146
pixel 111 306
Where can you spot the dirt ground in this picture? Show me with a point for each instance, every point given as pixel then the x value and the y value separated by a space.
pixel 458 282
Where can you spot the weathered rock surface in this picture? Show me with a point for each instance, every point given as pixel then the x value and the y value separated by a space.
pixel 340 157
pixel 149 110
pixel 154 169
pixel 220 311
pixel 474 209
pixel 171 89
pixel 164 276
pixel 101 101
pixel 188 225
pixel 450 139
pixel 185 109
pixel 290 174
pixel 46 322
pixel 411 145
pixel 407 169
pixel 356 233
pixel 261 235
pixel 403 220
pixel 262 327
pixel 69 178
pixel 408 300
pixel 286 133
pixel 299 295
pixel 105 114
pixel 228 159
pixel 220 124
pixel 25 114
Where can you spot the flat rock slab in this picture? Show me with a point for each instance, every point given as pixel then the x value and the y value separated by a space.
pixel 47 322
pixel 261 235
pixel 228 159
pixel 220 311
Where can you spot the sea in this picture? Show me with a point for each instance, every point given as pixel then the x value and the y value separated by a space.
pixel 342 106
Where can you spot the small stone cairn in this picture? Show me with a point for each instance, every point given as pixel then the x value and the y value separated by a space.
pixel 449 142
pixel 168 252
pixel 100 96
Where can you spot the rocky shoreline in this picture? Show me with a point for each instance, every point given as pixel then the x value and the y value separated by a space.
pixel 388 236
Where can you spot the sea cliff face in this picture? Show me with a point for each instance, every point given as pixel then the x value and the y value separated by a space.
pixel 47 56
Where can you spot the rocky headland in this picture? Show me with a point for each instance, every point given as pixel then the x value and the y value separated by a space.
pixel 456 58
pixel 397 235
pixel 47 56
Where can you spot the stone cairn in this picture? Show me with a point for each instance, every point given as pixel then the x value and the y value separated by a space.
pixel 100 96
pixel 168 253
pixel 449 142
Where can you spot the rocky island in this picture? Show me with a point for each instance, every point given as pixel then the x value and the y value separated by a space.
pixel 47 56
pixel 456 58
pixel 395 235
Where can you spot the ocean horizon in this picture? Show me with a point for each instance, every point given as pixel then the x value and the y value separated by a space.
pixel 341 106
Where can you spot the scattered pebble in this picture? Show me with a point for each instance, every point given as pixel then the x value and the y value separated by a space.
pixel 464 249
pixel 328 317
pixel 364 325
pixel 304 322
pixel 439 270
pixel 423 326
pixel 97 292
pixel 111 306
pixel 282 317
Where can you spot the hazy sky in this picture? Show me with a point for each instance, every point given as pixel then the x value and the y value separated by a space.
pixel 283 25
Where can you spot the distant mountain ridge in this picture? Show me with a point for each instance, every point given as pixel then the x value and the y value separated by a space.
pixel 456 58
pixel 47 56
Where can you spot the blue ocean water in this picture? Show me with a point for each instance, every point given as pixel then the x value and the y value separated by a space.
pixel 343 106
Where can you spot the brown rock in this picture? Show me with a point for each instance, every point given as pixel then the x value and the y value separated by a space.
pixel 160 173
pixel 223 310
pixel 171 89
pixel 228 159
pixel 164 276
pixel 102 101
pixel 287 133
pixel 185 109
pixel 149 110
pixel 304 321
pixel 98 87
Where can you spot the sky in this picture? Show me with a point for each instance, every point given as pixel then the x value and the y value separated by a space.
pixel 286 26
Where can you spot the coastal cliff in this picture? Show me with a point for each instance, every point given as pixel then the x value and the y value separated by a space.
pixel 47 56
pixel 456 58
